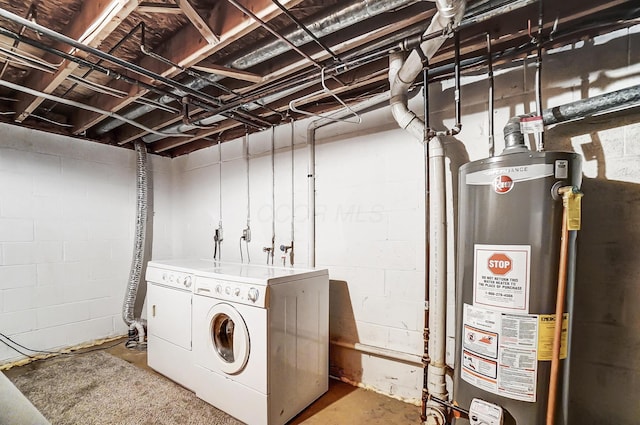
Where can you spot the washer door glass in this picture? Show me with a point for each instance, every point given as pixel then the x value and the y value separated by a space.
pixel 229 338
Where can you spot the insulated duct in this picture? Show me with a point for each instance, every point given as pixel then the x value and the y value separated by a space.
pixel 137 325
pixel 321 26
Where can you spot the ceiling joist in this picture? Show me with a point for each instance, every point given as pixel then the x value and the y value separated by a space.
pixel 186 49
pixel 95 22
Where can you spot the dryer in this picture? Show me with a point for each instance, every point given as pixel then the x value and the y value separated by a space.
pixel 169 311
pixel 260 340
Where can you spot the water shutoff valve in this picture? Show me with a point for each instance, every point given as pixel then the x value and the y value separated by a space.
pixel 246 234
pixel 484 413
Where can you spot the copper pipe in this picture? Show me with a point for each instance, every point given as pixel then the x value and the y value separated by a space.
pixel 562 286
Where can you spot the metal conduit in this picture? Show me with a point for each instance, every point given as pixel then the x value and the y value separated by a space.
pixel 96 67
pixel 306 30
pixel 323 25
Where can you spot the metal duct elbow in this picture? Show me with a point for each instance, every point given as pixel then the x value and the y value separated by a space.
pixel 139 242
pixel 403 73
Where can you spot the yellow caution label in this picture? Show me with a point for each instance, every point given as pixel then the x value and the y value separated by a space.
pixel 572 202
pixel 546 329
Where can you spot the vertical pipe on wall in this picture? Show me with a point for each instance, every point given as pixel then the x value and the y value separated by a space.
pixel 492 145
pixel 437 274
pixel 401 75
pixel 425 355
pixel 217 237
pixel 273 191
pixel 293 192
pixel 540 135
pixel 311 192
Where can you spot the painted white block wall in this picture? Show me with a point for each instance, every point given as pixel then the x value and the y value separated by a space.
pixel 62 274
pixel 67 212
pixel 370 220
pixel 369 226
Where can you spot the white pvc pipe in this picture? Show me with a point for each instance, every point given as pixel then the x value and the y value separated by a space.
pixel 413 359
pixel 401 76
pixel 437 271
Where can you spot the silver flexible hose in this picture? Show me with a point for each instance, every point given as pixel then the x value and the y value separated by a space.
pixel 137 262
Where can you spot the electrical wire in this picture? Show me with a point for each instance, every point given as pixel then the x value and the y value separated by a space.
pixel 46 352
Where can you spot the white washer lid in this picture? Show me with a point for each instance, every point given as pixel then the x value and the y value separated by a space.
pixel 258 274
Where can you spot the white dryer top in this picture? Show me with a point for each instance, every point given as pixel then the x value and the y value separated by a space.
pixel 187 265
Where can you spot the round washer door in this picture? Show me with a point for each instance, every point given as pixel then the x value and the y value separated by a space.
pixel 228 338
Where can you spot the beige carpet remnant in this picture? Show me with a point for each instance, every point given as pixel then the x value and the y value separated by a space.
pixel 99 389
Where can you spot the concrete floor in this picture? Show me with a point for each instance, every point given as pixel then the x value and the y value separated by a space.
pixel 342 404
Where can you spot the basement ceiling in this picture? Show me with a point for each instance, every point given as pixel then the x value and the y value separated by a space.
pixel 183 75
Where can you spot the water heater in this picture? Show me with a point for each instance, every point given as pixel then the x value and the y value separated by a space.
pixel 510 217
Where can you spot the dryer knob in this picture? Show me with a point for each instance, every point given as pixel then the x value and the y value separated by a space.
pixel 253 295
pixel 187 282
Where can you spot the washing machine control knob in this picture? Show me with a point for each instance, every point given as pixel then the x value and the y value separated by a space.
pixel 227 290
pixel 164 277
pixel 187 282
pixel 253 295
pixel 236 292
pixel 219 289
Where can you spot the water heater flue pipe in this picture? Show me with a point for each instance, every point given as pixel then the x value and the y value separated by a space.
pixel 412 66
pixel 137 325
pixel 401 75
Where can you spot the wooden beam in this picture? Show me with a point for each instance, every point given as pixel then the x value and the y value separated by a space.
pixel 131 133
pixel 201 25
pixel 186 48
pixel 172 9
pixel 95 21
pixel 238 74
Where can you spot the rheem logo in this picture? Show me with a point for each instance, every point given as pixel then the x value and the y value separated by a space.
pixel 502 184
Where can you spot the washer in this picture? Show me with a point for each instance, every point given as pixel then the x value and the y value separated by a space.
pixel 169 313
pixel 261 340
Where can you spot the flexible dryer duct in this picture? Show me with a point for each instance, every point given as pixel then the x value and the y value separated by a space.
pixel 137 262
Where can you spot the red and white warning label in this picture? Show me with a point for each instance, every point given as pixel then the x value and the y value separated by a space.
pixel 499 352
pixel 501 277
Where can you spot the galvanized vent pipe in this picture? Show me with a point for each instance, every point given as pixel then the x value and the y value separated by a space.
pixel 582 108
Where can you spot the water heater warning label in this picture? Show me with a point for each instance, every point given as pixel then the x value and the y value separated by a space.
pixel 499 352
pixel 501 277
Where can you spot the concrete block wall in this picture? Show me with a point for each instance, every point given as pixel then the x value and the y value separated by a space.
pixel 369 231
pixel 605 356
pixel 67 212
pixel 59 198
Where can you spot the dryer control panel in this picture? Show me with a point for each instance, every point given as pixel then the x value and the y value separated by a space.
pixel 235 292
pixel 171 278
